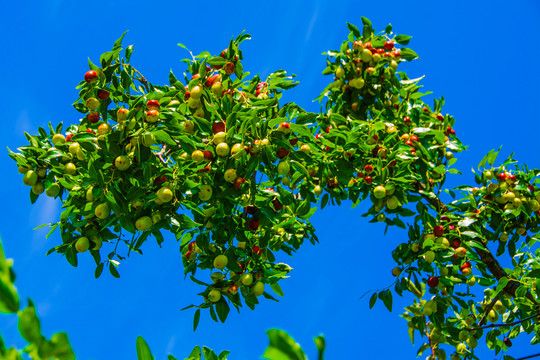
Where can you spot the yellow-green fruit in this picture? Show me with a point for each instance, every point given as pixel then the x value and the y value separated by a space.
pixel 23 170
pixel 220 262
pixel 102 211
pixel 97 241
pixel 257 289
pixel 340 72
pixel 317 190
pixel 241 245
pixel 206 193
pixel 247 279
pixel 463 335
pixel 38 188
pixel 89 195
pixel 461 348
pixel 222 149
pixel 379 192
pixel 366 55
pixel 58 139
pixel 53 190
pixel 165 194
pixel 217 88
pixel 41 172
pixel 104 129
pixel 80 154
pixel 283 168
pixel 197 156
pixel 148 140
pixel 392 203
pixel 230 175
pixel 219 137
pixel 217 276
pixel 92 103
pixel 492 316
pixel 143 223
pixel 237 150
pixel 30 178
pixel 472 342
pixel 82 244
pixel 70 168
pixel 214 295
pixel 156 217
pixel 122 162
pixel 429 256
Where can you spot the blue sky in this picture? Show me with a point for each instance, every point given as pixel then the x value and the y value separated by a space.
pixel 481 56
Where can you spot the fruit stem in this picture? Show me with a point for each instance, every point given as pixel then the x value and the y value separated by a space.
pixel 429 338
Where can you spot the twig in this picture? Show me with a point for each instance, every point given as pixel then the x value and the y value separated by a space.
pixel 503 324
pixel 429 337
pixel 488 309
pixel 529 357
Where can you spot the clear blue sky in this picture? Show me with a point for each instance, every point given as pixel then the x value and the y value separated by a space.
pixel 481 55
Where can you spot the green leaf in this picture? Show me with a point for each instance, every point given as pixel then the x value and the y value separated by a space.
pixel 408 54
pixel 118 43
pixel 196 319
pixel 222 309
pixel 282 347
pixel 372 300
pixel 402 39
pixel 143 351
pixel 113 271
pixel 352 28
pixel 71 256
pixel 321 345
pixel 277 289
pixel 29 326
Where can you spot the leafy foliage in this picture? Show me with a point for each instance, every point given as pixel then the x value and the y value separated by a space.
pixel 235 175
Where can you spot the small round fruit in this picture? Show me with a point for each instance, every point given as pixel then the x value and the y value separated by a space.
pixel 152 116
pixel 206 193
pixel 58 139
pixel 122 162
pixel 220 262
pixel 38 188
pixel 97 241
pixel 53 190
pixel 222 149
pixel 82 244
pixel 283 168
pixel 429 256
pixel 91 76
pixel 74 148
pixel 30 178
pixel 102 211
pixel 247 279
pixel 214 295
pixel 93 117
pixel 92 103
pixel 197 156
pixel 104 129
pixel 70 168
pixel 433 281
pixel 317 190
pixel 216 277
pixel 165 194
pixel 237 150
pixel 396 271
pixel 392 203
pixel 379 192
pixel 143 223
pixel 41 172
pixel 461 252
pixel 258 289
pixel 230 175
pixel 121 115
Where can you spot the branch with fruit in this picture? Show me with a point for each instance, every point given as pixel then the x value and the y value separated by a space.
pixel 235 175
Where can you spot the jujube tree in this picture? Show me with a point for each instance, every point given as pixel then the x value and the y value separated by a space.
pixel 235 175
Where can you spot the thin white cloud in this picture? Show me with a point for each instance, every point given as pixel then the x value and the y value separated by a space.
pixel 312 22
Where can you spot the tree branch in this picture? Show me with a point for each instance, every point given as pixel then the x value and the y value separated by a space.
pixel 503 324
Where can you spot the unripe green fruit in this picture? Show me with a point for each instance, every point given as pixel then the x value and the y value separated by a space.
pixel 82 244
pixel 197 156
pixel 80 154
pixel 217 276
pixel 58 139
pixel 122 162
pixel 148 140
pixel 472 342
pixel 219 137
pixel 214 295
pixel 463 335
pixel 102 211
pixel 41 172
pixel 366 56
pixel 340 72
pixel 492 316
pixel 196 92
pixel 283 168
pixel 392 203
pixel 156 217
pixel 396 271
pixel 74 148
pixel 217 88
pixel 222 149
pixel 165 194
pixel 247 279
pixel 53 190
pixel 70 168
pixel 443 271
pixel 220 262
pixel 429 256
pixel 461 348
pixel 143 223
pixel 92 103
pixel 89 195
pixel 379 192
pixel 206 193
pixel 317 190
pixel 230 175
pixel 38 188
pixel 237 151
pixel 97 241
pixel 30 178
pixel 257 289
pixel 23 170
